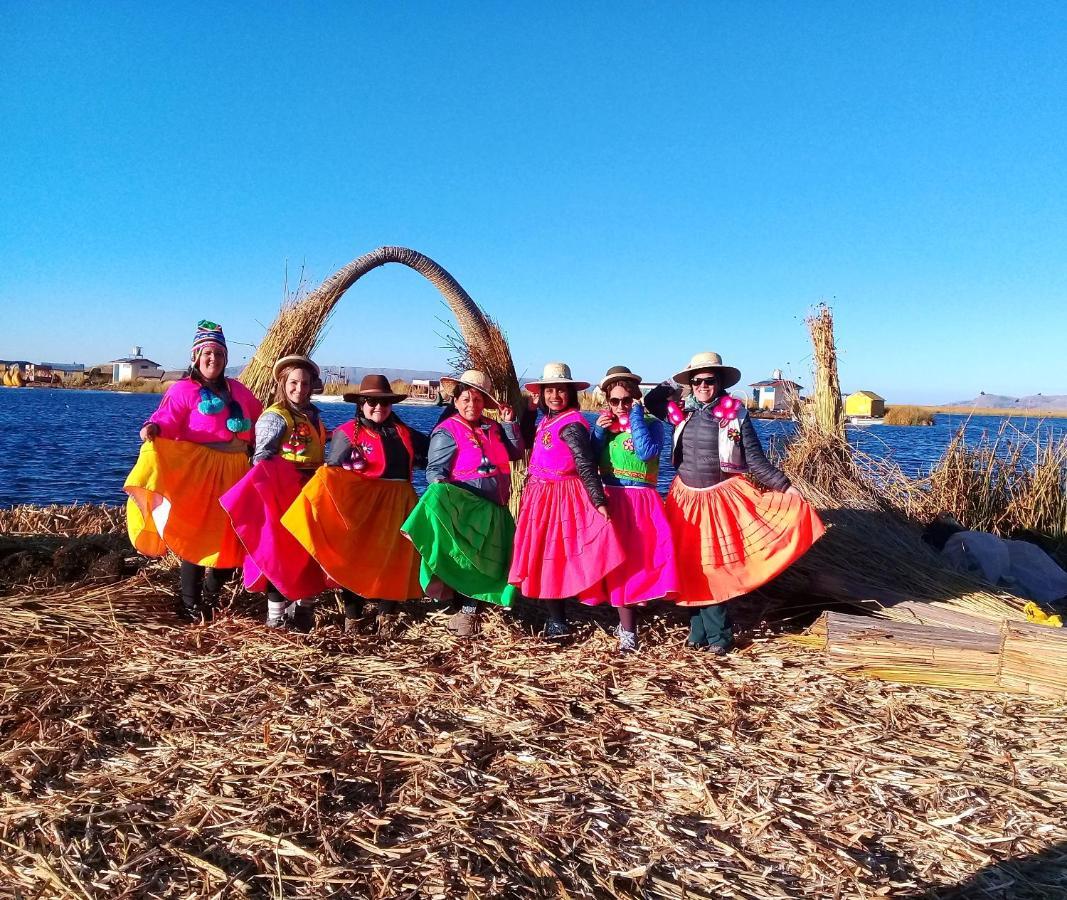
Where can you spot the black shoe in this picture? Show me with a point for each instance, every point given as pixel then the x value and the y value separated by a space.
pixel 303 618
pixel 557 628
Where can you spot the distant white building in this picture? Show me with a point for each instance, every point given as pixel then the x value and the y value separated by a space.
pixel 134 366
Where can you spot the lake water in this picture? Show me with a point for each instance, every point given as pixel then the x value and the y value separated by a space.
pixel 72 446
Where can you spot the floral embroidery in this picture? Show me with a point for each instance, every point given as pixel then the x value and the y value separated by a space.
pixel 546 439
pixel 628 444
pixel 299 440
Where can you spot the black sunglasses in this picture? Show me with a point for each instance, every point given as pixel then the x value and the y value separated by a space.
pixel 375 402
pixel 620 401
pixel 707 381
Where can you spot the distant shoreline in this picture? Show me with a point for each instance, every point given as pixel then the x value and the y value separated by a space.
pixel 1013 412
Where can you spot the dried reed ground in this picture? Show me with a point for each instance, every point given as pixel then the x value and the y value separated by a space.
pixel 142 758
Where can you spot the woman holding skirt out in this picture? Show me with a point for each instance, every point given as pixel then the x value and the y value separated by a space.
pixel 348 516
pixel 564 539
pixel 736 520
pixel 290 446
pixel 195 449
pixel 627 444
pixel 462 527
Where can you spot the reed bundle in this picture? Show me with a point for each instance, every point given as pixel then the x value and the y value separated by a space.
pixel 140 758
pixel 908 415
pixel 300 322
pixel 77 520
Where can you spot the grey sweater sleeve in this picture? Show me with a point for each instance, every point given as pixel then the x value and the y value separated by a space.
pixel 576 437
pixel 758 464
pixel 340 449
pixel 270 429
pixel 440 456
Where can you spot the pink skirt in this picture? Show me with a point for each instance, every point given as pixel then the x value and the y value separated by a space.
pixel 256 505
pixel 648 571
pixel 563 546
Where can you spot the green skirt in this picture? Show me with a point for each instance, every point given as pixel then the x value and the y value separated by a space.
pixel 465 540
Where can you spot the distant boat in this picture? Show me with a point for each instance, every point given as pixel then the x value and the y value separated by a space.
pixel 860 421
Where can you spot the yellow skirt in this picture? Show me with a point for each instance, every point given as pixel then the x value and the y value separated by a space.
pixel 174 491
pixel 351 524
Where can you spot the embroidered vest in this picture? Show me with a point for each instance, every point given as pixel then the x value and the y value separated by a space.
pixel 370 444
pixel 473 446
pixel 619 458
pixel 551 459
pixel 731 453
pixel 304 442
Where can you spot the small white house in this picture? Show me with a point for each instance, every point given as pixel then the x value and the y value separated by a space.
pixel 134 366
pixel 774 393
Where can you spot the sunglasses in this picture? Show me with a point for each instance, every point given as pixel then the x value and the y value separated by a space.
pixel 371 402
pixel 708 381
pixel 620 401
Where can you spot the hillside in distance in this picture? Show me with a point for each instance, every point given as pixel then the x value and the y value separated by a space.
pixel 1056 402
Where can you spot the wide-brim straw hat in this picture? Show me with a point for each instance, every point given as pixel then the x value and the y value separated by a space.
pixel 619 372
pixel 472 378
pixel 374 387
pixel 295 359
pixel 555 373
pixel 708 361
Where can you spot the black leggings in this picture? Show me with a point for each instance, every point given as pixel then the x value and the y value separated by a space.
pixel 196 579
pixel 354 604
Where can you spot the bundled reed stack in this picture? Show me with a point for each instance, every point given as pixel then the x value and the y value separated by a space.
pixel 299 323
pixel 826 397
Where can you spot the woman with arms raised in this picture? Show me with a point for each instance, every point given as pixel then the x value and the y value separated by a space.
pixel 195 449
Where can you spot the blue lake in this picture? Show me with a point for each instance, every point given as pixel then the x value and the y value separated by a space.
pixel 69 446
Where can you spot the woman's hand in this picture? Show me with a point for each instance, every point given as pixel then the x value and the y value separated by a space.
pixel 507 414
pixel 605 419
pixel 149 432
pixel 603 510
pixel 792 489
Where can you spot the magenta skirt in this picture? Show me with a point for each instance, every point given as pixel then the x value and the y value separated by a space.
pixel 648 570
pixel 563 546
pixel 256 505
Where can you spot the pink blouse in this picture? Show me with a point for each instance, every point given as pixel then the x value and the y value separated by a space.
pixel 180 419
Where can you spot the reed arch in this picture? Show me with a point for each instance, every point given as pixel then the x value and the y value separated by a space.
pixel 299 325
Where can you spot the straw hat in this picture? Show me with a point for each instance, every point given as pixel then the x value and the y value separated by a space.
pixel 619 372
pixel 474 379
pixel 295 359
pixel 555 373
pixel 706 361
pixel 374 387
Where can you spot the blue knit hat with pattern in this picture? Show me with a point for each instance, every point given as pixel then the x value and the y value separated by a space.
pixel 207 333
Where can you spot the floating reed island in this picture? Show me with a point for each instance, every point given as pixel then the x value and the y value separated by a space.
pixel 140 757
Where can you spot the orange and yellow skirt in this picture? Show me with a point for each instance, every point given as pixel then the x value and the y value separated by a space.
pixel 174 490
pixel 351 524
pixel 734 537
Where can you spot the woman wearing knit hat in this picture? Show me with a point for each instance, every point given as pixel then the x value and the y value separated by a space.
pixel 195 449
pixel 290 446
pixel 731 535
pixel 462 527
pixel 627 444
pixel 564 539
pixel 348 516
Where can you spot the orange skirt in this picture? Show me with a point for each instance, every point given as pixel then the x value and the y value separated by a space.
pixel 174 491
pixel 733 538
pixel 351 524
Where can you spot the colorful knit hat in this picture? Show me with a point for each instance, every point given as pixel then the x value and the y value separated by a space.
pixel 207 333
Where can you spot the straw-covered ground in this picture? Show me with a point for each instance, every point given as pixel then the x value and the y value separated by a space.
pixel 143 758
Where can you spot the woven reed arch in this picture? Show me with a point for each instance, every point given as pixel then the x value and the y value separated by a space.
pixel 299 325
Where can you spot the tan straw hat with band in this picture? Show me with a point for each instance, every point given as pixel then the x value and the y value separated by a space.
pixel 472 378
pixel 374 387
pixel 295 359
pixel 708 361
pixel 555 373
pixel 619 372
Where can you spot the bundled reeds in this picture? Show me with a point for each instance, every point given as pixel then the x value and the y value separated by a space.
pixel 141 758
pixel 908 415
pixel 78 520
pixel 301 320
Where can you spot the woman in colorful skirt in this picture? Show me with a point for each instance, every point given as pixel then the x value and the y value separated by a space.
pixel 564 539
pixel 462 527
pixel 195 449
pixel 736 520
pixel 627 443
pixel 348 516
pixel 290 446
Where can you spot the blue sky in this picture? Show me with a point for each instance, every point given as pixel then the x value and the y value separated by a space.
pixel 614 182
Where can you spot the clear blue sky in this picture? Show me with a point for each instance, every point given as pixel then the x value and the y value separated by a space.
pixel 614 182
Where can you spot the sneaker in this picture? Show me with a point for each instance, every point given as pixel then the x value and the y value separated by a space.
pixel 463 624
pixel 627 640
pixel 557 628
pixel 718 650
